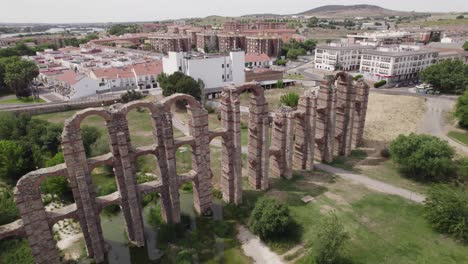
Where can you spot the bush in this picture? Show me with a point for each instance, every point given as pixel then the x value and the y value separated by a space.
pixel 14 250
pixel 290 99
pixel 385 153
pixel 330 240
pixel 446 209
pixel 462 169
pixel 280 84
pixel 8 210
pixel 131 95
pixel 357 77
pixel 269 218
pixel 380 83
pixel 461 110
pixel 281 62
pixel 448 76
pixel 423 157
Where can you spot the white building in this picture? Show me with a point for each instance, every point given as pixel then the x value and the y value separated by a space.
pixel 216 71
pixel 73 85
pixel 396 64
pixel 339 57
pixel 259 61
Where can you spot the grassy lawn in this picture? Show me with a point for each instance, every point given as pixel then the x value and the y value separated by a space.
pixel 383 228
pixel 27 100
pixel 459 136
pixel 272 96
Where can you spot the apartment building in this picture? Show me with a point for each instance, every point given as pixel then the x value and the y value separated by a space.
pixel 241 26
pixel 396 64
pixel 207 42
pixel 167 43
pixel 269 45
pixel 216 71
pixel 259 61
pixel 229 42
pixel 339 57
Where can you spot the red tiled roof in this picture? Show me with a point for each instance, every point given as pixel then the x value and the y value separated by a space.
pixel 257 57
pixel 70 77
pixel 148 68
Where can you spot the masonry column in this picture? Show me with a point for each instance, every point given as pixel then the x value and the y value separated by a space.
pixel 119 137
pixel 132 198
pixel 172 177
pixel 344 113
pixel 231 178
pixel 279 141
pixel 36 227
pixel 258 111
pixel 79 176
pixel 305 133
pixel 362 97
pixel 325 124
pixel 158 116
pixel 198 126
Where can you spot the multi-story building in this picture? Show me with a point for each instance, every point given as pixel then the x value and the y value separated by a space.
pixel 339 57
pixel 381 38
pixel 167 43
pixel 229 42
pixel 271 25
pixel 270 45
pixel 396 64
pixel 241 26
pixel 216 71
pixel 207 42
pixel 235 26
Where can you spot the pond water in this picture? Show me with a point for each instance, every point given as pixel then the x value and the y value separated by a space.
pixel 120 252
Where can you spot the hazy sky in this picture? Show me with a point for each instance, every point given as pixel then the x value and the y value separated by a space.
pixel 56 11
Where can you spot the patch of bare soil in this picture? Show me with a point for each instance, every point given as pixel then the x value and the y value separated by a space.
pixel 391 115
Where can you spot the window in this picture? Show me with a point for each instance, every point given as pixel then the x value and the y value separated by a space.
pixel 227 66
pixel 223 76
pixel 222 65
pixel 228 76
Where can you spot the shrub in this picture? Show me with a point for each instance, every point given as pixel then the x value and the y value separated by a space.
pixel 131 95
pixel 269 218
pixel 290 99
pixel 357 77
pixel 380 83
pixel 462 169
pixel 461 110
pixel 330 240
pixel 385 153
pixel 423 157
pixel 8 210
pixel 446 209
pixel 15 250
pixel 280 84
pixel 281 62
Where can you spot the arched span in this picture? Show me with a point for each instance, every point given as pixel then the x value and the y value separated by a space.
pixel 126 108
pixel 34 179
pixel 80 115
pixel 169 101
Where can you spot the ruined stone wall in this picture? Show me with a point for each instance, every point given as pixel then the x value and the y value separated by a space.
pixel 324 123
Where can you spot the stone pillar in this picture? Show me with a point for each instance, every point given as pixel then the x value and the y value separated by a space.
pixel 279 143
pixel 305 132
pixel 171 176
pixel 198 125
pixel 36 227
pixel 362 97
pixel 265 152
pixel 231 178
pixel 344 113
pixel 325 124
pixel 158 117
pixel 132 196
pixel 79 176
pixel 258 111
pixel 119 137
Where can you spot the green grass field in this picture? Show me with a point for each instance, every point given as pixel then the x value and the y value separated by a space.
pixel 459 136
pixel 27 100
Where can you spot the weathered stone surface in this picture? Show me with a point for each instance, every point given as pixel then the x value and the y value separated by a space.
pixel 325 124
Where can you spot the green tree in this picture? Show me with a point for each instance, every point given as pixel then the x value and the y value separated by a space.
pixel 294 53
pixel 446 209
pixel 423 157
pixel 131 95
pixel 15 160
pixel 290 99
pixel 449 76
pixel 460 17
pixel 331 237
pixel 19 75
pixel 461 110
pixel 8 210
pixel 57 185
pixel 90 135
pixel 179 83
pixel 465 46
pixel 313 22
pixel 269 218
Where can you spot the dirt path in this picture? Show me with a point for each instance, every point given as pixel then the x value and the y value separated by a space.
pixel 433 121
pixel 254 248
pixel 373 184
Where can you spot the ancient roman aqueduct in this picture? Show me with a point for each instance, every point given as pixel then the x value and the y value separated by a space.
pixel 325 124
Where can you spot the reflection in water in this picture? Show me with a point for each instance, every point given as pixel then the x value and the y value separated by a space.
pixel 120 252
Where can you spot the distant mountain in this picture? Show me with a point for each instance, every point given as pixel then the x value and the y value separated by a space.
pixel 344 11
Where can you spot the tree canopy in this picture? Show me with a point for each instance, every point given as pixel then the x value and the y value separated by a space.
pixel 461 110
pixel 423 157
pixel 180 83
pixel 269 218
pixel 17 74
pixel 120 29
pixel 465 46
pixel 449 76
pixel 295 48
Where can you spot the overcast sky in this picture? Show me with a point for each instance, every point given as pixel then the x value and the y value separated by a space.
pixel 56 11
